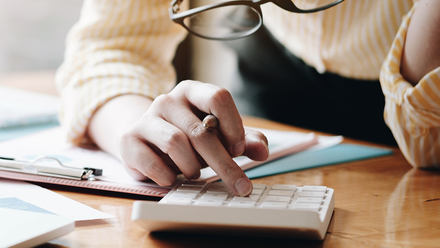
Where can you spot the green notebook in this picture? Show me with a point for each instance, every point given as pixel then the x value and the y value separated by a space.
pixel 310 159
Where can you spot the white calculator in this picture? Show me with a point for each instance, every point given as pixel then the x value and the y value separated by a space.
pixel 286 211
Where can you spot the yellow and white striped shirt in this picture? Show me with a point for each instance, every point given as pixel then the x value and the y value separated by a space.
pixel 126 47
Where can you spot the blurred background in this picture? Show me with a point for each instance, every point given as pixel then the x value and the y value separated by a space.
pixel 33 32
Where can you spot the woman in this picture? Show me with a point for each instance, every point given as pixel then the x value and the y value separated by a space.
pixel 117 84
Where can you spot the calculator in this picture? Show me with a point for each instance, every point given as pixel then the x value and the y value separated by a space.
pixel 286 211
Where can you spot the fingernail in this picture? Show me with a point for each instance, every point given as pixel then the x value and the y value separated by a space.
pixel 243 187
pixel 266 146
pixel 238 149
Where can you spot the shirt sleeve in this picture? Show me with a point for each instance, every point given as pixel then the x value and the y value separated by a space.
pixel 117 47
pixel 412 112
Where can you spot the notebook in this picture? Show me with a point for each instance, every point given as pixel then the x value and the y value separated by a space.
pixel 20 228
pixel 114 176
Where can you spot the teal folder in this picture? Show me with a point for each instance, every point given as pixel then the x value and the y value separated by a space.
pixel 310 159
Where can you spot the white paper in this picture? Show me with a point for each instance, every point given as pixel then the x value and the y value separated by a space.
pixel 19 107
pixel 50 143
pixel 25 196
pixel 281 137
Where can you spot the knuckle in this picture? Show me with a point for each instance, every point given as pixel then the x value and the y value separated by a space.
pixel 185 83
pixel 173 140
pixel 162 102
pixel 197 132
pixel 163 99
pixel 220 95
pixel 182 86
pixel 124 140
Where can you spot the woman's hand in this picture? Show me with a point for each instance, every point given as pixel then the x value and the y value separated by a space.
pixel 169 138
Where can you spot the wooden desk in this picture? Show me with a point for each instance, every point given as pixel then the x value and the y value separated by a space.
pixel 380 202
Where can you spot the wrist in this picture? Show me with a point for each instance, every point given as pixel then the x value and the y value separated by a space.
pixel 113 118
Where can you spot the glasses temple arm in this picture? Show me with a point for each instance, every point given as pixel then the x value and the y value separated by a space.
pixel 175 5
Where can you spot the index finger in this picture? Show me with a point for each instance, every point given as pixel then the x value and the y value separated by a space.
pixel 217 101
pixel 211 149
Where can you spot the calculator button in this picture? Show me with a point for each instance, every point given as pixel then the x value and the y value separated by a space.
pixel 189 189
pixel 242 204
pixel 314 188
pixel 217 196
pixel 284 187
pixel 259 186
pixel 248 198
pixel 277 199
pixel 227 191
pixel 307 206
pixel 209 202
pixel 279 205
pixel 218 187
pixel 218 191
pixel 191 195
pixel 179 200
pixel 257 192
pixel 254 197
pixel 312 194
pixel 309 200
pixel 194 183
pixel 281 193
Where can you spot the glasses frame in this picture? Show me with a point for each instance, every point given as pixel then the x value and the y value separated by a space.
pixel 287 5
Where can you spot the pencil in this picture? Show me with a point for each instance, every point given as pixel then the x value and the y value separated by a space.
pixel 210 122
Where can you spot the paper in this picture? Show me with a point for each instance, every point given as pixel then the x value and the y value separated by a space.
pixel 31 147
pixel 50 143
pixel 25 196
pixel 19 131
pixel 19 107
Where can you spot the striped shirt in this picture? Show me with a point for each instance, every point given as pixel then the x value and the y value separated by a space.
pixel 126 47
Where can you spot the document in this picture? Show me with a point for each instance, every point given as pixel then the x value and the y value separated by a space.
pixel 29 197
pixel 50 143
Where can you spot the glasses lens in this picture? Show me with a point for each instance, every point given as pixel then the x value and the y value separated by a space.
pixel 228 22
pixel 312 4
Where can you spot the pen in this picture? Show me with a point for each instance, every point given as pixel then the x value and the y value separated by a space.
pixel 10 164
pixel 210 122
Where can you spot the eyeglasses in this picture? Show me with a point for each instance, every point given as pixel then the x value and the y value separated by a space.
pixel 233 19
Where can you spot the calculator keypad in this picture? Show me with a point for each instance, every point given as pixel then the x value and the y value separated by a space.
pixel 263 196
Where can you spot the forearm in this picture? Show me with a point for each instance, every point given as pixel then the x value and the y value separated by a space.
pixel 421 53
pixel 114 117
pixel 116 48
